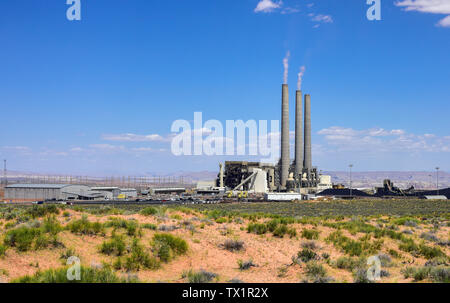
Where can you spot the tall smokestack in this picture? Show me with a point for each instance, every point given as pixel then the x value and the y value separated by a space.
pixel 307 163
pixel 298 133
pixel 285 159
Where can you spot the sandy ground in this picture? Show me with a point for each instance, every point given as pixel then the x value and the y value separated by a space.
pixel 269 253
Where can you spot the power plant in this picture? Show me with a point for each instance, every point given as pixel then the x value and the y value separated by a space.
pixel 295 177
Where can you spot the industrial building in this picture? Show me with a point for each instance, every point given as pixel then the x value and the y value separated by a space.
pixel 298 176
pixel 46 192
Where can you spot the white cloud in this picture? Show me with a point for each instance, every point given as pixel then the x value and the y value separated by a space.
pixel 267 6
pixel 381 140
pixel 133 138
pixel 428 6
pixel 321 18
pixel 107 147
pixel 444 22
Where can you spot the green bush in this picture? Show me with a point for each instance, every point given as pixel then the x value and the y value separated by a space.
pixel 149 226
pixel 139 258
pixel 149 211
pixel 315 270
pixel 2 250
pixel 85 227
pixel 280 231
pixel 51 225
pixel 257 228
pixel 199 277
pixel 349 264
pixel 306 255
pixel 244 265
pixel 233 245
pixel 115 246
pixel 167 246
pixel 37 211
pixel 310 234
pixel 87 275
pixel 22 237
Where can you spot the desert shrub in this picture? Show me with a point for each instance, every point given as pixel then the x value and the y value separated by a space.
pixel 429 237
pixel 408 245
pixel 291 232
pixel 164 227
pixel 315 270
pixel 67 254
pixel 176 244
pixel 2 250
pixel 37 211
pixel 430 252
pixel 233 245
pixel 115 246
pixel 149 211
pixel 117 264
pixel 85 227
pixel 87 275
pixel 66 214
pixel 132 228
pixel 310 234
pixel 310 245
pixel 244 265
pixel 221 220
pixel 385 260
pixel 51 225
pixel 149 226
pixel 43 241
pixel 306 255
pixel 272 225
pixel 394 253
pixel 406 221
pixel 360 275
pixel 22 237
pixel 440 274
pixel 176 217
pixel 437 261
pixel 408 272
pixel 280 231
pixel 201 276
pixel 257 228
pixel 348 263
pixel 139 258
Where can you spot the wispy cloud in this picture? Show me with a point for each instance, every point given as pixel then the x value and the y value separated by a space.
pixel 382 140
pixel 133 138
pixel 428 6
pixel 320 18
pixel 267 6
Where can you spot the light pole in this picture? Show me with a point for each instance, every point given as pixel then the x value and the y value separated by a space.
pixel 437 180
pixel 350 166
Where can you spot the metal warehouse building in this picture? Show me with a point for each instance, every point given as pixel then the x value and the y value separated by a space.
pixel 42 192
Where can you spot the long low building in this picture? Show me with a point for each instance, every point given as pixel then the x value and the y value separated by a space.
pixel 46 192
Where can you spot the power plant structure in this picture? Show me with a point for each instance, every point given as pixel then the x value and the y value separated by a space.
pixel 298 176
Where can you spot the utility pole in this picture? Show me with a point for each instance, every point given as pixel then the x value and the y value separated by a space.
pixel 351 165
pixel 437 180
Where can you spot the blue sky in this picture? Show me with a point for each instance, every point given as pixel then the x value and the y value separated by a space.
pixel 98 96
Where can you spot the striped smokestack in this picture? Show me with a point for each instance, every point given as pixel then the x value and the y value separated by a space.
pixel 285 159
pixel 298 134
pixel 307 163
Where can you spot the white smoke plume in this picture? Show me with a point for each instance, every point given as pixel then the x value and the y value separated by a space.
pixel 300 77
pixel 286 67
